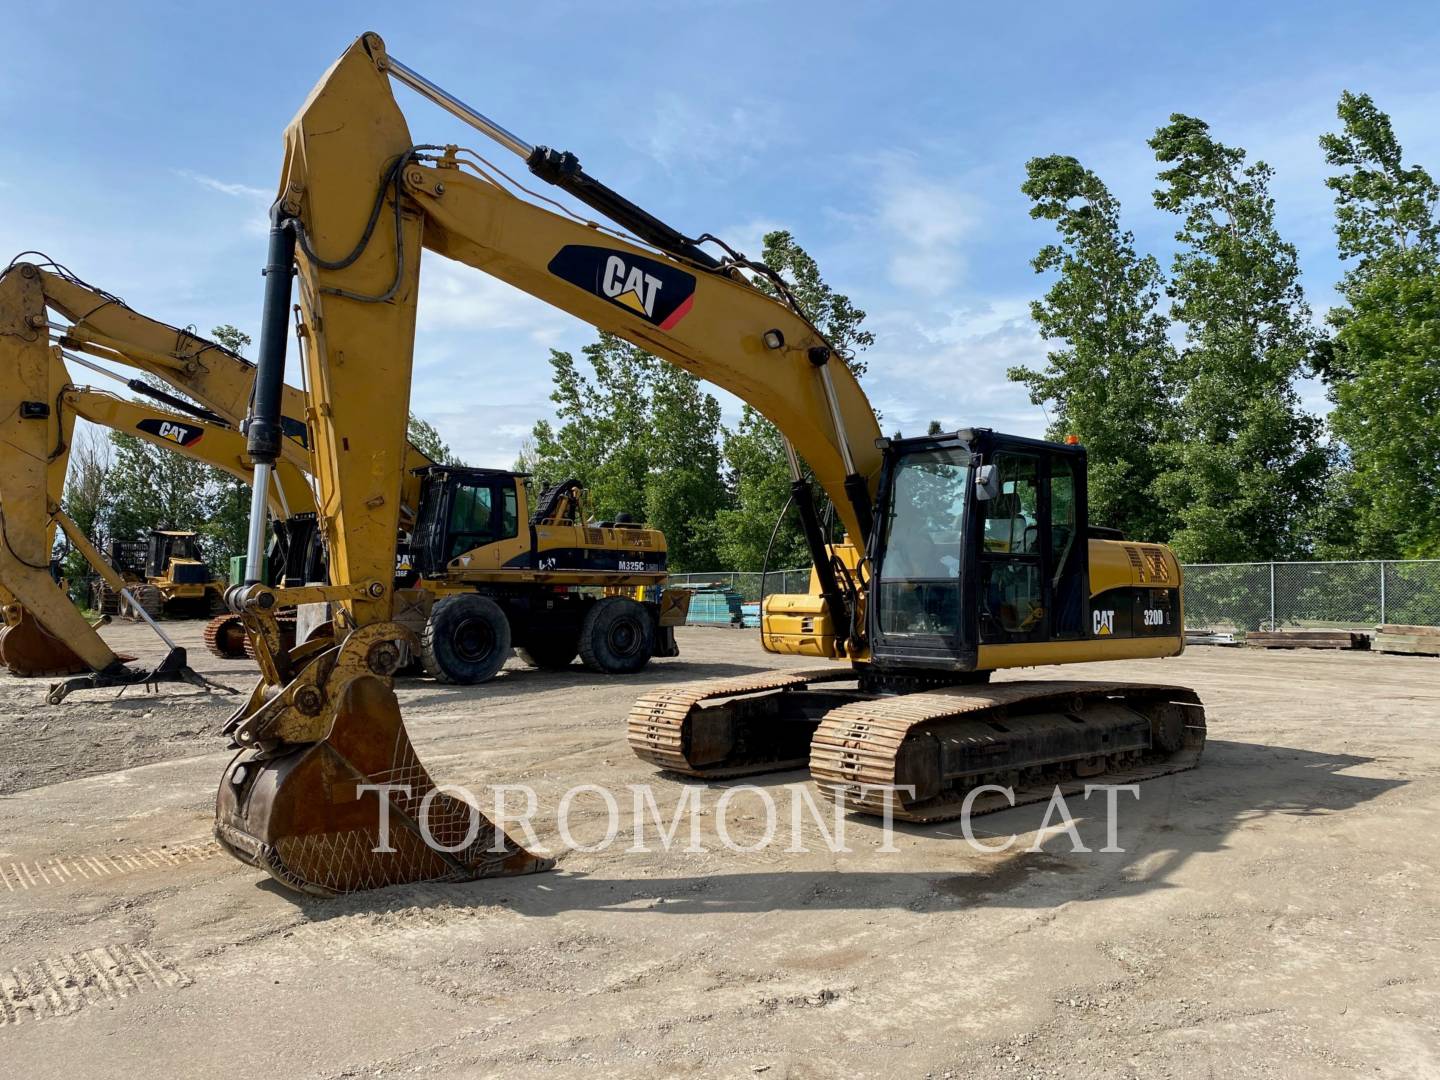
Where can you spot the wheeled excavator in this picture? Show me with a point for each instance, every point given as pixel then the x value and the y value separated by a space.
pixel 493 571
pixel 965 553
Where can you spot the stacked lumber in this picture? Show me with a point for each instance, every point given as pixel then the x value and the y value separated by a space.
pixel 1309 639
pixel 1408 640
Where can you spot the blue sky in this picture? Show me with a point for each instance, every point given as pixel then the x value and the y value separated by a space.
pixel 143 142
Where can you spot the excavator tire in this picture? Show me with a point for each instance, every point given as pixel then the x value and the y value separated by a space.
pixel 617 636
pixel 466 639
pixel 549 654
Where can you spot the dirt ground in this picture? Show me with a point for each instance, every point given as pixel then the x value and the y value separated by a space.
pixel 1274 913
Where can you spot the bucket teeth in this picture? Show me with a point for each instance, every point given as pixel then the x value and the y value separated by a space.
pixel 357 810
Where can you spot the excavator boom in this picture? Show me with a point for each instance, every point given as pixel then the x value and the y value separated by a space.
pixel 44 634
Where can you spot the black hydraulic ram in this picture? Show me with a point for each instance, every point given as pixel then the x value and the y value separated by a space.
pixel 263 427
pixel 562 169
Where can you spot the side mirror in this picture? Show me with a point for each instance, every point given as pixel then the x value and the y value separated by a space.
pixel 987 483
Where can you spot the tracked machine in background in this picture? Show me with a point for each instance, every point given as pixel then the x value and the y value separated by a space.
pixel 965 553
pixel 169 572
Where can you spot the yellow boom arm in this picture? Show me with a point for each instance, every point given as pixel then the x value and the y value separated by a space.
pixel 367 200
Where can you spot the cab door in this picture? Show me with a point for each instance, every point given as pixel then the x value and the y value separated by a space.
pixel 916 614
pixel 1011 565
pixel 1032 546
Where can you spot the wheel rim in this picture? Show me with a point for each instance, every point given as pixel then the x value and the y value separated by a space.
pixel 474 640
pixel 624 637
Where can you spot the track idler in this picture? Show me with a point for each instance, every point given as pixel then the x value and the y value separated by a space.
pixel 327 794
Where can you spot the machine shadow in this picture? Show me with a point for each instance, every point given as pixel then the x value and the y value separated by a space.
pixel 1176 819
pixel 517 681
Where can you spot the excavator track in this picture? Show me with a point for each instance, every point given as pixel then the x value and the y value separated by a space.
pixel 689 730
pixel 225 636
pixel 863 749
pixel 1027 736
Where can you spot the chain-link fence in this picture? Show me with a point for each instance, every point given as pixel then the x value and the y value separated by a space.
pixel 1231 596
pixel 750 585
pixel 1264 596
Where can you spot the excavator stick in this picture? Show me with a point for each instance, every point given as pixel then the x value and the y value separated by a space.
pixel 327 794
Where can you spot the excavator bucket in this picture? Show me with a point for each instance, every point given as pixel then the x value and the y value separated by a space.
pixel 355 809
pixel 27 649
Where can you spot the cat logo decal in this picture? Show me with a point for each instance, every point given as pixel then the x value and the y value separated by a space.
pixel 658 292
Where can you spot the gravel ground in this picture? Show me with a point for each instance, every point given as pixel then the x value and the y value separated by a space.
pixel 1274 913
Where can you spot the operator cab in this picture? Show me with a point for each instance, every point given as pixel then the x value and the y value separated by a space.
pixel 980 539
pixel 461 509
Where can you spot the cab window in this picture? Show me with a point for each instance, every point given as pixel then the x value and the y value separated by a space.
pixel 919 576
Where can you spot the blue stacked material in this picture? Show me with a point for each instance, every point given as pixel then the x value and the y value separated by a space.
pixel 750 615
pixel 714 605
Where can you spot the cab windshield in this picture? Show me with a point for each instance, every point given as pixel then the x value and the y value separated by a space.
pixel 920 571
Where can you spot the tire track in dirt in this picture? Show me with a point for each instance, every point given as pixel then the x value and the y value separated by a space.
pixel 63 985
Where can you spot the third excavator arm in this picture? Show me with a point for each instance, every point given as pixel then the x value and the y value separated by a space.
pixel 44 634
pixel 965 552
pixel 42 303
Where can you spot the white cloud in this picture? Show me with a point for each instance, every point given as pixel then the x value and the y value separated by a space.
pixel 454 297
pixel 684 134
pixel 235 191
pixel 948 363
pixel 921 222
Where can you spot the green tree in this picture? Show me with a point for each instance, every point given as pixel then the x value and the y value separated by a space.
pixel 232 337
pixel 227 527
pixel 149 487
pixel 757 473
pixel 84 498
pixel 427 440
pixel 1107 384
pixel 642 436
pixel 1383 363
pixel 1243 462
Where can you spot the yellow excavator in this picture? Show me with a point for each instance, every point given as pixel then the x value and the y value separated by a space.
pixel 41 405
pixel 493 571
pixel 43 632
pixel 966 553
